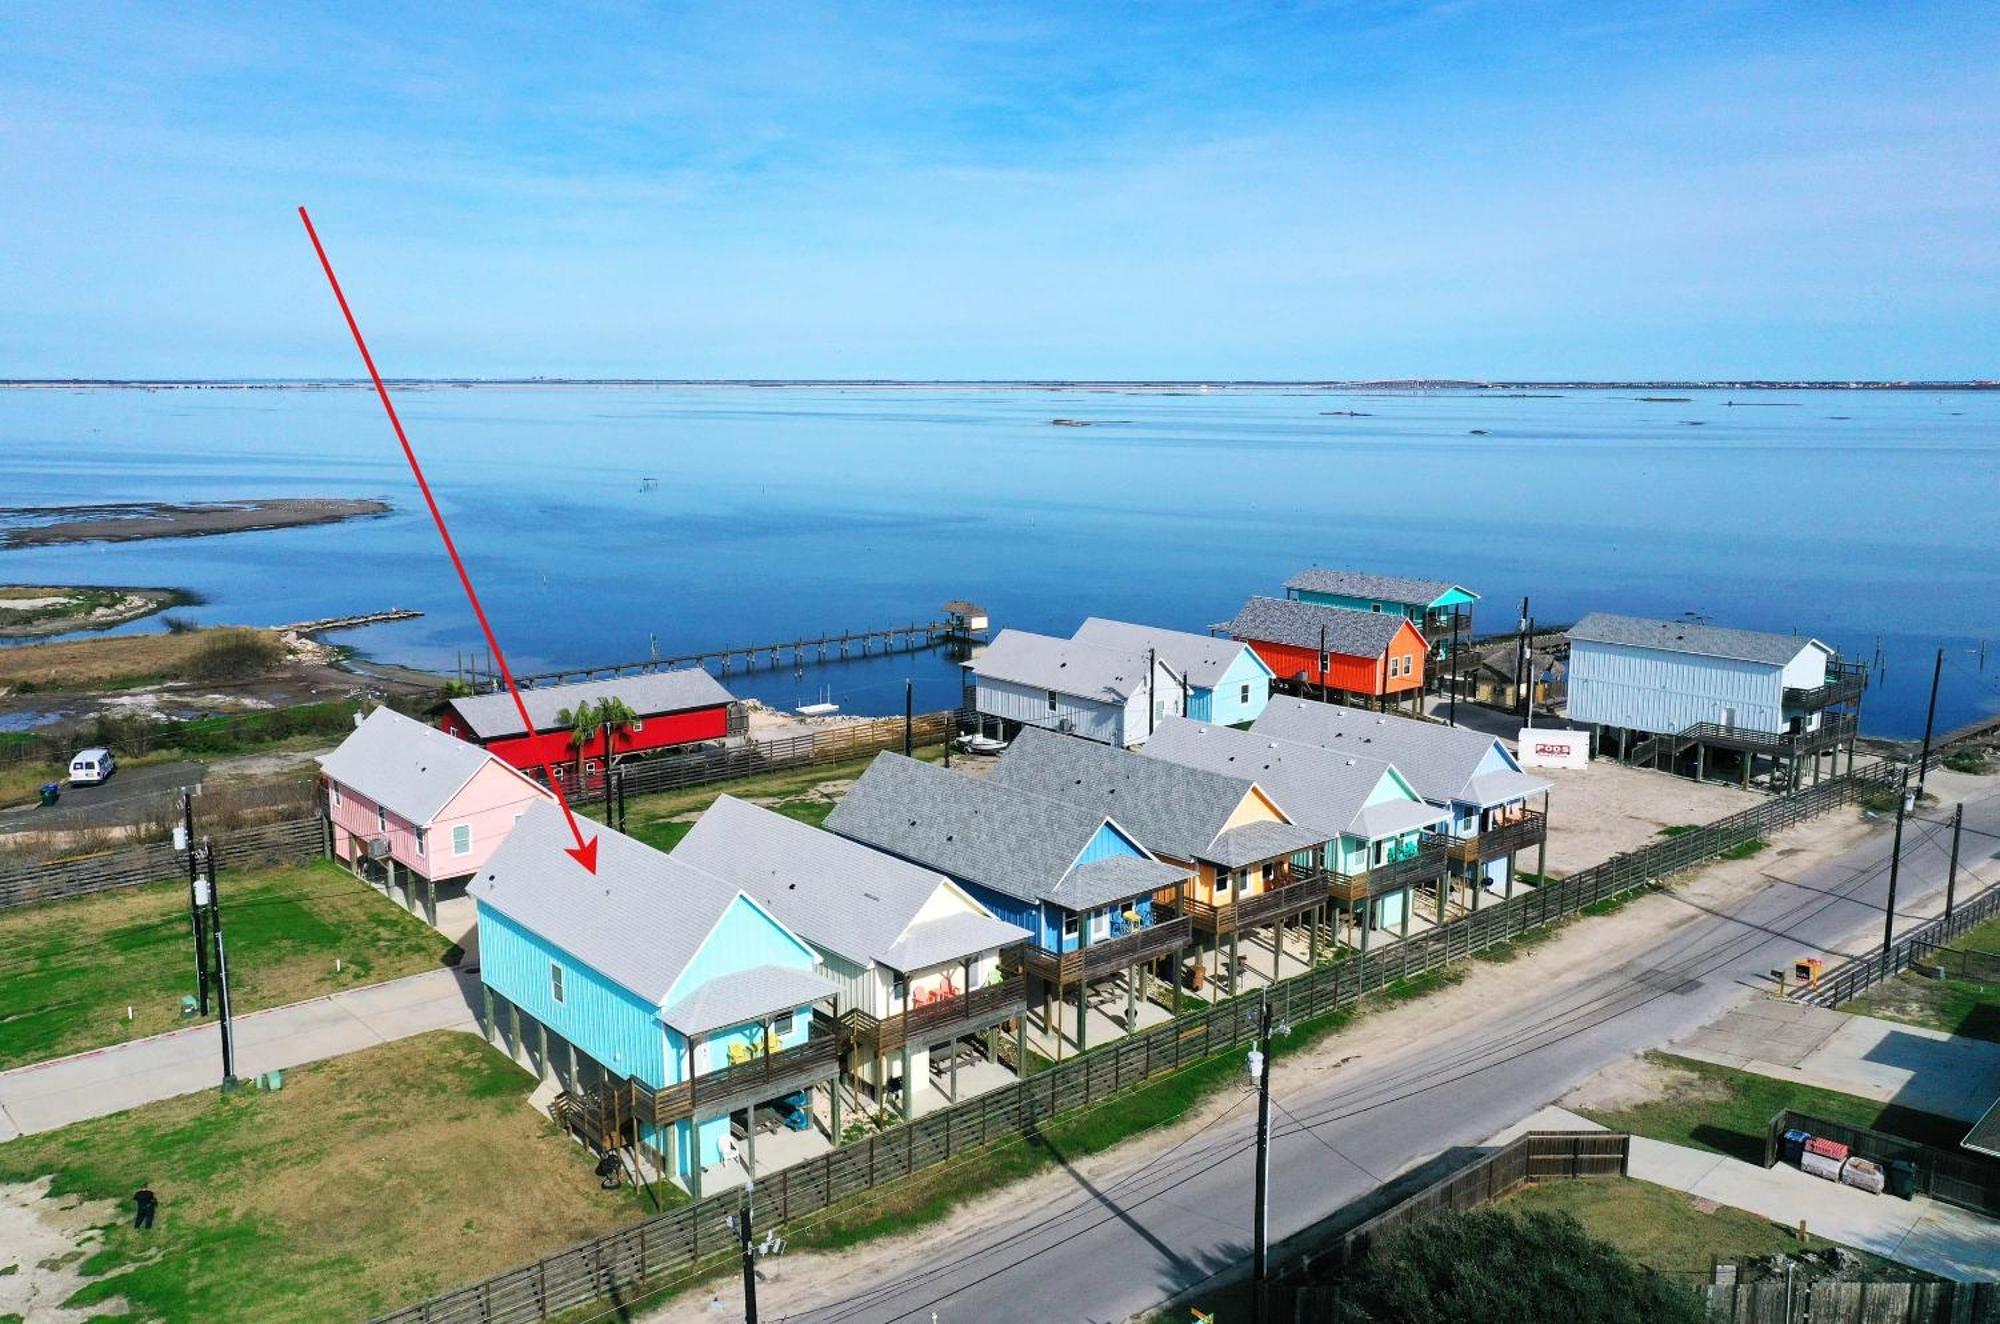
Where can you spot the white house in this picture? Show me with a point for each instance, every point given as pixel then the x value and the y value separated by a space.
pixel 1105 694
pixel 1226 682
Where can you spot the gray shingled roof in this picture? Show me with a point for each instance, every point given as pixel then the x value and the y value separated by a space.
pixel 1105 675
pixel 1202 658
pixel 1011 841
pixel 1286 621
pixel 1175 809
pixel 638 921
pixel 951 938
pixel 407 767
pixel 1441 762
pixel 1379 588
pixel 1601 627
pixel 746 995
pixel 1320 788
pixel 493 715
pixel 835 893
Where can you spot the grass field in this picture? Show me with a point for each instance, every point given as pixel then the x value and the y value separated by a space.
pixel 69 969
pixel 365 1183
pixel 1956 1006
pixel 1728 1111
pixel 116 661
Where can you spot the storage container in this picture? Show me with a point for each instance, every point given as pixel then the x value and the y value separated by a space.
pixel 1902 1176
pixel 1859 1172
pixel 1819 1165
pixel 1793 1145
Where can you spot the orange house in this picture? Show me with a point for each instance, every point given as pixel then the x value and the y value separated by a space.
pixel 1376 658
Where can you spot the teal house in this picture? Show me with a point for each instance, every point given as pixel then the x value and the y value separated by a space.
pixel 1227 683
pixel 676 1015
pixel 1437 607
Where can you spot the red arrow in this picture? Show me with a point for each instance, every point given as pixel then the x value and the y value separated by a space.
pixel 584 852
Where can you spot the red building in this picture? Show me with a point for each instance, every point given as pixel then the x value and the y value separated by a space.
pixel 673 708
pixel 1376 658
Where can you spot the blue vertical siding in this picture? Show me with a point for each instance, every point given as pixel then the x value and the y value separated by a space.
pixel 1110 844
pixel 1228 704
pixel 1201 703
pixel 609 1022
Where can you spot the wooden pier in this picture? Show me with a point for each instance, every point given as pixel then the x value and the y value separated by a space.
pixel 327 623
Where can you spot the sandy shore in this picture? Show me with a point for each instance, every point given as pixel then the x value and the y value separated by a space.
pixel 29 611
pixel 41 526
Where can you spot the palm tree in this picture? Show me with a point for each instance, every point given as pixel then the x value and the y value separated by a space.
pixel 614 715
pixel 582 723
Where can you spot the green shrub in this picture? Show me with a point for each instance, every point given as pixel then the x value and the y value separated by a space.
pixel 1970 761
pixel 235 655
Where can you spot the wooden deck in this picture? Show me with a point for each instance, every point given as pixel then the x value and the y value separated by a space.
pixel 1504 840
pixel 1095 960
pixel 975 1010
pixel 1423 867
pixel 1305 891
pixel 745 1083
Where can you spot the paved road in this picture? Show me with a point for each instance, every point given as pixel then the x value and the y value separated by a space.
pixel 48 1095
pixel 1109 1250
pixel 131 796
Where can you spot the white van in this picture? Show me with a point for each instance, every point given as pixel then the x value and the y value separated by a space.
pixel 91 766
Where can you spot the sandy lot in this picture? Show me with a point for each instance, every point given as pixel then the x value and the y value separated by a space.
pixel 1606 809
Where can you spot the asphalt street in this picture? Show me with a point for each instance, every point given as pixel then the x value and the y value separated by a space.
pixel 1103 1252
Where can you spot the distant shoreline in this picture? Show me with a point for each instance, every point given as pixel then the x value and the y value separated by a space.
pixel 894 384
pixel 136 521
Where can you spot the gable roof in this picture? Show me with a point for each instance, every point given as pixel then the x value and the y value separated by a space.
pixel 1021 844
pixel 1289 621
pixel 1175 809
pixel 1602 627
pixel 851 899
pixel 1106 675
pixel 745 995
pixel 1381 588
pixel 1202 658
pixel 408 767
pixel 1323 789
pixel 493 715
pixel 1442 763
pixel 639 920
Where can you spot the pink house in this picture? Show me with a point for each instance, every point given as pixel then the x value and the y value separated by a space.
pixel 408 804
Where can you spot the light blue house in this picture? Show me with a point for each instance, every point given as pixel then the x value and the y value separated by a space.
pixel 1099 905
pixel 666 1003
pixel 1467 773
pixel 1226 681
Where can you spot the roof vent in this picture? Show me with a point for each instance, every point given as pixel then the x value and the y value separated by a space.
pixel 1350 763
pixel 871 896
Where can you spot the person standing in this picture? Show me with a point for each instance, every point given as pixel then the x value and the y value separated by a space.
pixel 145 1202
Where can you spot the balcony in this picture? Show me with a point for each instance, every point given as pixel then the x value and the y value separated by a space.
pixel 1832 730
pixel 1436 626
pixel 1423 867
pixel 1528 830
pixel 1097 959
pixel 947 1018
pixel 1845 682
pixel 1279 903
pixel 744 1083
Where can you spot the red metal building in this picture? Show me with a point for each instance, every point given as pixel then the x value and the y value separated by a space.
pixel 673 707
pixel 1375 657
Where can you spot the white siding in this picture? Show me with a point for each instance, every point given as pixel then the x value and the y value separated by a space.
pixel 1650 689
pixel 1807 671
pixel 1020 703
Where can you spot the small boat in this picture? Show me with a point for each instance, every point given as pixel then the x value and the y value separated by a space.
pixel 1479 432
pixel 824 708
pixel 974 743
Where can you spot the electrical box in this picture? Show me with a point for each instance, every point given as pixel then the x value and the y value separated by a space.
pixel 180 837
pixel 1806 970
pixel 201 893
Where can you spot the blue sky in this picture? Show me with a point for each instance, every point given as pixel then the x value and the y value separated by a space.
pixel 1333 190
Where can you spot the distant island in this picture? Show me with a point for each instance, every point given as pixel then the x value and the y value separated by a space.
pixel 132 521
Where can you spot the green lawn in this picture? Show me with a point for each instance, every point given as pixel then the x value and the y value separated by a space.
pixel 367 1182
pixel 69 970
pixel 662 820
pixel 1956 1006
pixel 1729 1111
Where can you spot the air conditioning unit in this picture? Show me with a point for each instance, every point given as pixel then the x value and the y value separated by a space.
pixel 378 848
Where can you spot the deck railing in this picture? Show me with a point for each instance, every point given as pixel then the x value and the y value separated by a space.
pixel 1506 839
pixel 946 1018
pixel 1306 890
pixel 1427 864
pixel 765 1076
pixel 1845 682
pixel 1831 731
pixel 1165 938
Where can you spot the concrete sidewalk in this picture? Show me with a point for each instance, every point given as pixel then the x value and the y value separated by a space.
pixel 48 1095
pixel 1887 1061
pixel 1937 1238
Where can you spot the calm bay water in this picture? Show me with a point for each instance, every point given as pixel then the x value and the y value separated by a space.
pixel 1866 518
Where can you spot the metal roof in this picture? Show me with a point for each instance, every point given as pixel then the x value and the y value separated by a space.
pixel 654 692
pixel 951 938
pixel 1441 762
pixel 1175 809
pixel 1601 627
pixel 1106 675
pixel 408 767
pixel 639 920
pixel 1012 841
pixel 1984 1137
pixel 835 893
pixel 744 996
pixel 1323 789
pixel 1381 588
pixel 1202 658
pixel 1288 621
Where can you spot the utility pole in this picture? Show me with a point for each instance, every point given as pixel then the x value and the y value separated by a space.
pixel 749 1255
pixel 1951 878
pixel 1930 720
pixel 195 918
pixel 1322 664
pixel 1903 802
pixel 214 898
pixel 621 799
pixel 1456 617
pixel 1260 1073
pixel 1152 696
pixel 909 716
pixel 1523 697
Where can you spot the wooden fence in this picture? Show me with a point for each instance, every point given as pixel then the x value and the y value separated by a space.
pixel 285 841
pixel 833 744
pixel 621 1262
pixel 1809 1299
pixel 1958 1177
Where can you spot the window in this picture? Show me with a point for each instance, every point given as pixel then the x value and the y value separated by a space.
pixel 561 771
pixel 333 788
pixel 782 1025
pixel 556 982
pixel 1245 697
pixel 1069 928
pixel 1052 700
pixel 638 724
pixel 461 839
pixel 899 990
pixel 420 841
pixel 590 765
pixel 1270 871
pixel 1375 607
pixel 381 819
pixel 1222 881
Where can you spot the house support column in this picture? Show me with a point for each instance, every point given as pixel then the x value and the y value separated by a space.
pixel 750 1132
pixel 515 1043
pixel 1366 918
pixel 1314 918
pixel 1409 896
pixel 693 1125
pixel 486 1026
pixel 954 1068
pixel 1701 761
pixel 542 1061
pixel 1021 1045
pixel 1541 850
pixel 1749 765
pixel 1082 1014
pixel 431 902
pixel 1131 1004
